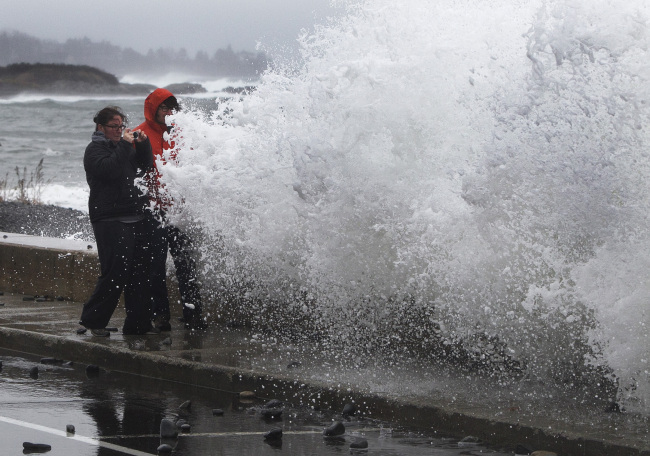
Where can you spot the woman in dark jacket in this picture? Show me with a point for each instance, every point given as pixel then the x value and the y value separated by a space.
pixel 122 229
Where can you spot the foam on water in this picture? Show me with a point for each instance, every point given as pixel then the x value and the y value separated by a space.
pixel 464 178
pixel 66 196
pixel 72 197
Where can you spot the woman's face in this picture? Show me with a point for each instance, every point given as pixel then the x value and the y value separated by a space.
pixel 112 129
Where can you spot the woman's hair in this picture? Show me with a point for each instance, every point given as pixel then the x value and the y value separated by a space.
pixel 106 114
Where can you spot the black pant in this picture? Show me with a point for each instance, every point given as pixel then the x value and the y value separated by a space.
pixel 181 248
pixel 125 261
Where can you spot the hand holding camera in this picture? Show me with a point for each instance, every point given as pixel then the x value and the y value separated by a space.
pixel 134 135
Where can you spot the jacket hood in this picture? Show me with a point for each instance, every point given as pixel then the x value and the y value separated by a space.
pixel 152 102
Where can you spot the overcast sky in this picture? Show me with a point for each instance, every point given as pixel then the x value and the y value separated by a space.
pixel 147 24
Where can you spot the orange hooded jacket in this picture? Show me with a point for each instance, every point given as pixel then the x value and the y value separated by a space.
pixel 155 132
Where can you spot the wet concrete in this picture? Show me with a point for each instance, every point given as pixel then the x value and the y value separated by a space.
pixel 114 413
pixel 235 360
pixel 571 422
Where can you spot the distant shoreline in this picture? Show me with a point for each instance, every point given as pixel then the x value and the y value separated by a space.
pixel 64 79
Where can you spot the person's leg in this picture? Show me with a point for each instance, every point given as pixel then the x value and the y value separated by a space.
pixel 114 247
pixel 137 292
pixel 158 276
pixel 182 251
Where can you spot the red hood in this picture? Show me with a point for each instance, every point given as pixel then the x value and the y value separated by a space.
pixel 153 101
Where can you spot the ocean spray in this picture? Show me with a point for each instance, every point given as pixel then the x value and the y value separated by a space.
pixel 463 179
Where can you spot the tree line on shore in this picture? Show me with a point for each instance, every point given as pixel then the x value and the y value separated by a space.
pixel 18 47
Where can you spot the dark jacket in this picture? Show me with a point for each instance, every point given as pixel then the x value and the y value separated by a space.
pixel 111 170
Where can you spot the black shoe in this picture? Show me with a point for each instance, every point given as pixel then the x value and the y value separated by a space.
pixel 100 332
pixel 166 326
pixel 162 324
pixel 151 331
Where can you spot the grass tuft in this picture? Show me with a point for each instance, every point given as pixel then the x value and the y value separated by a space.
pixel 28 190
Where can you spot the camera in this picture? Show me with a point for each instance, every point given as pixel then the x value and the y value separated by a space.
pixel 135 135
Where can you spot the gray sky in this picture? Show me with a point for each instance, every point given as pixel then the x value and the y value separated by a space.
pixel 147 24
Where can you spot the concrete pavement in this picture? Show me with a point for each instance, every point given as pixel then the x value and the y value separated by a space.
pixel 236 359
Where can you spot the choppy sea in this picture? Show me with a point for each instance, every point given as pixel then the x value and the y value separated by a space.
pixel 57 129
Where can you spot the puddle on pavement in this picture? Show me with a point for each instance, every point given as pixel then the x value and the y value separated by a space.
pixel 123 413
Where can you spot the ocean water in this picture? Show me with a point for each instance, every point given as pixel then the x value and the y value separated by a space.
pixel 464 181
pixel 57 129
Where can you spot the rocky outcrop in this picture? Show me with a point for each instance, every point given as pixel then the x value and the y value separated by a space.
pixel 186 88
pixel 63 79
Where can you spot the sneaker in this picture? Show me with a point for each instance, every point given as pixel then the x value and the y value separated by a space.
pixel 100 332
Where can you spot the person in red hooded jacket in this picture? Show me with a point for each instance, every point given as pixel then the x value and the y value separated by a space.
pixel 157 106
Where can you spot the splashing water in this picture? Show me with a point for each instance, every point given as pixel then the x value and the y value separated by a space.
pixel 464 179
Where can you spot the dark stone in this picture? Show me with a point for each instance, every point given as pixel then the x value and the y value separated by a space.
pixel 273 434
pixel 51 361
pixel 349 410
pixel 273 413
pixel 613 407
pixel 359 444
pixel 186 427
pixel 36 447
pixel 4 236
pixel 81 331
pixel 40 299
pixel 273 403
pixel 335 429
pixel 294 365
pixel 2 304
pixel 168 429
pixel 187 405
pixel 522 450
pixel 165 448
pixel 111 329
pixel 217 412
pixel 28 298
pixel 69 429
pixel 275 444
pixel 33 372
pixel 92 370
pixel 180 423
pixel 60 298
pixel 470 440
pixel 90 247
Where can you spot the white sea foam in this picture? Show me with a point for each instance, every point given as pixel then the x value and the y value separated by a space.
pixel 469 172
pixel 66 196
